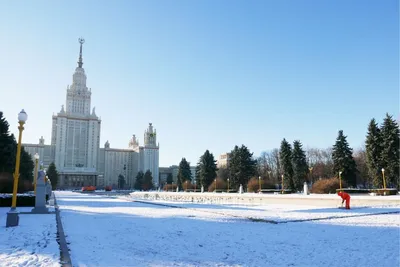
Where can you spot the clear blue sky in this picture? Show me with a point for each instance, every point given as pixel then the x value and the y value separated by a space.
pixel 208 74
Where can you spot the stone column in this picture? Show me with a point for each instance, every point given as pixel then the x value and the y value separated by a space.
pixel 40 199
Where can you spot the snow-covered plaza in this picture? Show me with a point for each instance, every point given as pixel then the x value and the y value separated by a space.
pixel 122 231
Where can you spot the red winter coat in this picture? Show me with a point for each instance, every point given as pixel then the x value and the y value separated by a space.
pixel 344 195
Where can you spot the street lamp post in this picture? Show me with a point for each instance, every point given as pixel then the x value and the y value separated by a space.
pixel 282 183
pixel 228 185
pixel 36 171
pixel 259 184
pixel 340 180
pixel 215 185
pixel 383 177
pixel 12 215
pixel 310 169
pixel 186 185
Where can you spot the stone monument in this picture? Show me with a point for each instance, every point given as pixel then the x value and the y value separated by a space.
pixel 40 199
pixel 305 189
pixel 241 189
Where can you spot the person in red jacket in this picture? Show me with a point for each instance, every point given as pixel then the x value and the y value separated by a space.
pixel 344 197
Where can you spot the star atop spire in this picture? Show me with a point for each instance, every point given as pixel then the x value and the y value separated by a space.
pixel 81 41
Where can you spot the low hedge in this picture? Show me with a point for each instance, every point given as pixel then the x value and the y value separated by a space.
pixel 379 192
pixel 285 191
pixel 385 192
pixel 354 190
pixel 23 200
pixel 254 185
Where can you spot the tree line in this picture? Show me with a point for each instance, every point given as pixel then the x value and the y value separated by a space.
pixel 8 153
pixel 294 165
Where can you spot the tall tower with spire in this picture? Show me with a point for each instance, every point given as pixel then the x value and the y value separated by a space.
pixel 76 133
pixel 78 94
pixel 150 154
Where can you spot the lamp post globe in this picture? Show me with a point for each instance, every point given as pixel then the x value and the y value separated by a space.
pixel 22 116
pixel 36 156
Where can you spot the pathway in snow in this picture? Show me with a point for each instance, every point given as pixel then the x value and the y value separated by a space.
pixel 104 231
pixel 31 243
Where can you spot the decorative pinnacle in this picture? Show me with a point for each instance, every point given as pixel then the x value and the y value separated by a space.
pixel 81 41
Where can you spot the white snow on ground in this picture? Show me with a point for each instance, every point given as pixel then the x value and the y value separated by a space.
pixel 280 212
pixel 110 231
pixel 31 243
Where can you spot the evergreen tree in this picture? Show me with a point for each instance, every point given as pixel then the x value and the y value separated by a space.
pixel 390 151
pixel 27 166
pixel 147 181
pixel 300 166
pixel 139 181
pixel 242 166
pixel 373 146
pixel 223 173
pixel 343 160
pixel 8 147
pixel 207 169
pixel 184 172
pixel 52 173
pixel 285 159
pixel 170 179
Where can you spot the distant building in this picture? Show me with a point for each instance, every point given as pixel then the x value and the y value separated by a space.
pixel 173 170
pixel 223 160
pixel 75 144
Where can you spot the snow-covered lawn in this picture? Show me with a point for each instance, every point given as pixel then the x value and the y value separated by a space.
pixel 112 231
pixel 31 243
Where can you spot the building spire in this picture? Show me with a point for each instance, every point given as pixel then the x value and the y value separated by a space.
pixel 80 63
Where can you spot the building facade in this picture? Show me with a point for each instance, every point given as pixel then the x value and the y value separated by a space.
pixel 75 144
pixel 223 160
pixel 173 170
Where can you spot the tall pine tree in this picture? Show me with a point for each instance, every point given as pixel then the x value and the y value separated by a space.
pixel 343 160
pixel 373 146
pixel 207 168
pixel 139 181
pixel 27 166
pixel 300 166
pixel 170 178
pixel 285 159
pixel 242 166
pixel 8 147
pixel 53 175
pixel 147 181
pixel 184 172
pixel 390 151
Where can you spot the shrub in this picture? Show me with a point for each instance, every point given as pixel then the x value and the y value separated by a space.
pixel 25 200
pixel 7 184
pixel 254 185
pixel 327 186
pixel 187 186
pixel 169 187
pixel 221 185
